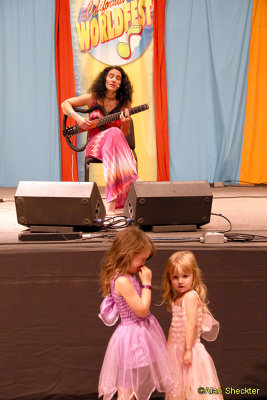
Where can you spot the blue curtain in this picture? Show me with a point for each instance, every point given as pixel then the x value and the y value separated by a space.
pixel 207 50
pixel 29 133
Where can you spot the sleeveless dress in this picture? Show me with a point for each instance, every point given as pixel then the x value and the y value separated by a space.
pixel 136 360
pixel 201 373
pixel 119 165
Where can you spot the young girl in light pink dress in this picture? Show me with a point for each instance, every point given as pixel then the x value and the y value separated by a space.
pixel 191 319
pixel 136 360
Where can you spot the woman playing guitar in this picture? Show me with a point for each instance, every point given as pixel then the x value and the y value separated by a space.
pixel 113 91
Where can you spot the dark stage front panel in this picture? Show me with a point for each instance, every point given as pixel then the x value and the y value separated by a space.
pixel 53 343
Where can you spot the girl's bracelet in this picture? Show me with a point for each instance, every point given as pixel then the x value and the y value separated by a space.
pixel 146 287
pixel 71 113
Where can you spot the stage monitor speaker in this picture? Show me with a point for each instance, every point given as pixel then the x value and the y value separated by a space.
pixel 58 203
pixel 169 203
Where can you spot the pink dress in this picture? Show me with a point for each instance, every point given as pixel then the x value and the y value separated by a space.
pixel 136 360
pixel 201 373
pixel 111 147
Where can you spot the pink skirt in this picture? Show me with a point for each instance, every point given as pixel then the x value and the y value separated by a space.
pixel 136 362
pixel 111 147
pixel 199 381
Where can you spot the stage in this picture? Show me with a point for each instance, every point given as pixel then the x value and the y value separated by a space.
pixel 52 342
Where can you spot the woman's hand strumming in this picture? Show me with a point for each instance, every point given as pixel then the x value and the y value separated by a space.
pixel 85 124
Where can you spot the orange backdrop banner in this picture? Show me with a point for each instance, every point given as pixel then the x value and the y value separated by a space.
pixel 65 83
pixel 254 154
pixel 160 92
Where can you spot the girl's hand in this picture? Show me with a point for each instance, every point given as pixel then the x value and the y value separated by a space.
pixel 187 357
pixel 145 275
pixel 139 304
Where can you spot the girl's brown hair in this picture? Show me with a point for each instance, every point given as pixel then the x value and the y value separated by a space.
pixel 186 260
pixel 127 244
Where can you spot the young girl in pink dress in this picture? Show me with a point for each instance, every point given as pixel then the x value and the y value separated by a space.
pixel 136 360
pixel 186 295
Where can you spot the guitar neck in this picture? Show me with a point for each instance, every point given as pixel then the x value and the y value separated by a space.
pixel 116 116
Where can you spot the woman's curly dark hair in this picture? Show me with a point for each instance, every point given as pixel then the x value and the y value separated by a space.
pixel 124 93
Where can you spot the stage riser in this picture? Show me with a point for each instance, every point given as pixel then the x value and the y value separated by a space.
pixel 52 341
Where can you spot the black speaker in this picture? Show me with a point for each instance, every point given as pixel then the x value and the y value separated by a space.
pixel 169 203
pixel 59 203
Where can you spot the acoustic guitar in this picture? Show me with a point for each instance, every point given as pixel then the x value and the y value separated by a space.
pixel 69 131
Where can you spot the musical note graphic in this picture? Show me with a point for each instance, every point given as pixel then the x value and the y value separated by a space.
pixel 124 49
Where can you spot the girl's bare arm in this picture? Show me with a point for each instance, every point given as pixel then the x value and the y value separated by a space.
pixel 125 288
pixel 191 306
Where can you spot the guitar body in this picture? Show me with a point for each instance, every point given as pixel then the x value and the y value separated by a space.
pixel 100 115
pixel 70 131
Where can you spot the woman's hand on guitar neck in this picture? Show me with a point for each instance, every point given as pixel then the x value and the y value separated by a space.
pixel 125 115
pixel 125 121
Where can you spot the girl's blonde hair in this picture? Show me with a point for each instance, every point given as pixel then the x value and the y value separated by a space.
pixel 127 244
pixel 186 260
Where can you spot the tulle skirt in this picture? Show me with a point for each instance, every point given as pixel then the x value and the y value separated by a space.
pixel 136 362
pixel 199 381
